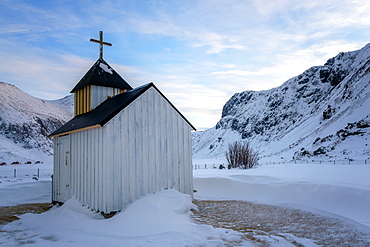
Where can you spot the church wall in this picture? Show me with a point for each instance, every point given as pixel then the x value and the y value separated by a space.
pixel 151 147
pixel 100 94
pixel 90 182
pixel 61 179
pixel 56 175
pixel 91 96
pixel 143 149
pixel 82 100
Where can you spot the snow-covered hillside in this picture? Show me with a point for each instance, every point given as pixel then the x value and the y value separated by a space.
pixel 65 103
pixel 323 112
pixel 25 123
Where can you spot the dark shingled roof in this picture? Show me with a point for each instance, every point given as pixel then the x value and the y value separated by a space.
pixel 102 74
pixel 106 111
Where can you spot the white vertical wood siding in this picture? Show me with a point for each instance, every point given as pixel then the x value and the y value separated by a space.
pixel 100 94
pixel 61 169
pixel 143 149
pixel 56 174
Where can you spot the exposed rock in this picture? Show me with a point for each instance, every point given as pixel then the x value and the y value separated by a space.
pixel 315 100
pixel 27 121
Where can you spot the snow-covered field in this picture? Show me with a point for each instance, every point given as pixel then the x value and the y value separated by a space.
pixel 163 219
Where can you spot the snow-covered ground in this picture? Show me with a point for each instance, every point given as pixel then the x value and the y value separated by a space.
pixel 342 190
pixel 163 219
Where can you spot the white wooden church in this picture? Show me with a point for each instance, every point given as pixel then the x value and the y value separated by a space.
pixel 122 143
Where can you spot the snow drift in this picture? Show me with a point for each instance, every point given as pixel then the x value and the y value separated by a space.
pixel 155 220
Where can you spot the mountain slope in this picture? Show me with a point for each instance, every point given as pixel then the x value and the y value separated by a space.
pixel 318 113
pixel 65 103
pixel 25 123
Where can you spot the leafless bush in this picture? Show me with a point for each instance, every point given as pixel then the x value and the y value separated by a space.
pixel 241 155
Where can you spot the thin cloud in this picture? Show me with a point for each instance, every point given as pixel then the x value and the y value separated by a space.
pixel 199 53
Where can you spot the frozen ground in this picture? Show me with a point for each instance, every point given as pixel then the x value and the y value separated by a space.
pixel 341 192
pixel 268 225
pixel 18 184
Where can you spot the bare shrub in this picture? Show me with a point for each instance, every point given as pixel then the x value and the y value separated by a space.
pixel 241 155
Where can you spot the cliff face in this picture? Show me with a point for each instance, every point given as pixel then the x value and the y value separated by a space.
pixel 26 121
pixel 309 115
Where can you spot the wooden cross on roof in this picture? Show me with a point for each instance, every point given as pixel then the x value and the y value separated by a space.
pixel 101 43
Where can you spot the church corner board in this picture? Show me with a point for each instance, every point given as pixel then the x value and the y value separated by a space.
pixel 122 143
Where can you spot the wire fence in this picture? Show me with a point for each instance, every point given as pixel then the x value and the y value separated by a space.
pixel 19 173
pixel 332 162
pixel 24 173
pixel 208 166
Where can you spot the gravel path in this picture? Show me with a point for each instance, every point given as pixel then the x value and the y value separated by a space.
pixel 267 225
pixel 9 214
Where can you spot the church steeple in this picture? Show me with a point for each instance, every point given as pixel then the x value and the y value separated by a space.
pixel 99 83
pixel 101 43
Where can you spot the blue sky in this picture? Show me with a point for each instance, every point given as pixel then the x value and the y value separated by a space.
pixel 198 53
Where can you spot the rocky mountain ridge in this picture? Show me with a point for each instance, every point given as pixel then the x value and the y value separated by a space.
pixel 313 114
pixel 26 121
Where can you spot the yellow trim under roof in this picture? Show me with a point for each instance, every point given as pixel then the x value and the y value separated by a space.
pixel 77 130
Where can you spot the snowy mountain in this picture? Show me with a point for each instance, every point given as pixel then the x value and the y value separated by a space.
pixel 65 103
pixel 25 123
pixel 324 112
